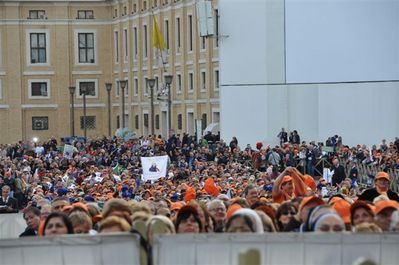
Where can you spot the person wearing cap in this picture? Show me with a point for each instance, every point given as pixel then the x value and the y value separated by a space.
pixel 287 186
pixel 383 213
pixel 342 207
pixel 361 212
pixel 297 224
pixel 381 187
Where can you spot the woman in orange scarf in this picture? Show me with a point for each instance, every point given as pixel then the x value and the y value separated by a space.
pixel 288 185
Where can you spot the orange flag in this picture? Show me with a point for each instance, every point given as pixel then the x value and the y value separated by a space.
pixel 210 187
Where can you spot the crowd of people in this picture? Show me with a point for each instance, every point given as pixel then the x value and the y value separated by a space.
pixel 210 187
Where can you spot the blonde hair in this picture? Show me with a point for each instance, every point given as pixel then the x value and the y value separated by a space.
pixel 111 221
pixel 367 228
pixel 80 218
pixel 116 205
pixel 266 222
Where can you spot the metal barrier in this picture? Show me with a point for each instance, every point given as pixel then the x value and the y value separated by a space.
pixel 11 225
pixel 276 249
pixel 365 170
pixel 72 249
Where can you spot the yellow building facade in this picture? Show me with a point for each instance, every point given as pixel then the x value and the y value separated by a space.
pixel 46 47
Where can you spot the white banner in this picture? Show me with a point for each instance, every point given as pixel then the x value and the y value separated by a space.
pixel 154 167
pixel 68 151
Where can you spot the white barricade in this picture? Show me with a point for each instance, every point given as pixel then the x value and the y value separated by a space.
pixel 11 225
pixel 71 249
pixel 277 249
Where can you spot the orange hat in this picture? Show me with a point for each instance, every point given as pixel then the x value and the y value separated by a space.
pixel 382 175
pixel 232 209
pixel 175 206
pixel 286 178
pixel 361 204
pixel 342 207
pixel 382 205
pixel 309 199
pixel 80 205
pixel 309 181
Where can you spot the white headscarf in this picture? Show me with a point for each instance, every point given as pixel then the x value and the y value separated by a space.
pixel 258 226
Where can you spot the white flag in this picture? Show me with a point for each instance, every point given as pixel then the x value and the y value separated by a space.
pixel 68 151
pixel 154 167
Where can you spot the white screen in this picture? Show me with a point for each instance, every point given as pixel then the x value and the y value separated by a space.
pixel 342 40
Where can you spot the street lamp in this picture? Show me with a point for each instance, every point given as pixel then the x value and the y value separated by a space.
pixel 84 91
pixel 151 84
pixel 168 82
pixel 72 112
pixel 108 87
pixel 123 84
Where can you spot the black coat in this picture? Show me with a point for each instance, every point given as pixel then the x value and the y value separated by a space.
pixel 339 175
pixel 11 202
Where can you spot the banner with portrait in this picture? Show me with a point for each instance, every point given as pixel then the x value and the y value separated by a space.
pixel 154 167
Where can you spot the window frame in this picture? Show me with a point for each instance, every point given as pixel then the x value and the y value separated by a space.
pixel 78 81
pixel 28 46
pixel 37 118
pixel 77 48
pixel 86 13
pixel 48 87
pixel 87 116
pixel 204 87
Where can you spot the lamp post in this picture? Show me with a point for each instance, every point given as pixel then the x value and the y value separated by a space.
pixel 84 91
pixel 151 84
pixel 108 87
pixel 168 82
pixel 123 84
pixel 72 113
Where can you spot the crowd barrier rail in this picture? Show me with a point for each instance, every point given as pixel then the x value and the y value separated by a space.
pixel 276 249
pixel 71 250
pixel 11 225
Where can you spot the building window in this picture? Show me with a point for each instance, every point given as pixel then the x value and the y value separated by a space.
pixel 86 47
pixel 118 122
pixel 135 42
pixel 125 44
pixel 167 34
pixel 145 5
pixel 38 53
pixel 216 79
pixel 145 42
pixel 85 14
pixel 124 10
pixel 116 43
pixel 39 88
pixel 136 122
pixel 136 86
pixel 203 43
pixel 146 86
pixel 116 15
pixel 157 121
pixel 134 8
pixel 191 81
pixel 156 83
pixel 204 121
pixel 179 83
pixel 203 80
pixel 217 27
pixel 178 43
pixel 190 32
pixel 39 123
pixel 89 85
pixel 179 122
pixel 145 119
pixel 90 122
pixel 37 14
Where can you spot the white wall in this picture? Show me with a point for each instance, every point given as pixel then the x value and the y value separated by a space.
pixel 274 76
pixel 277 249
